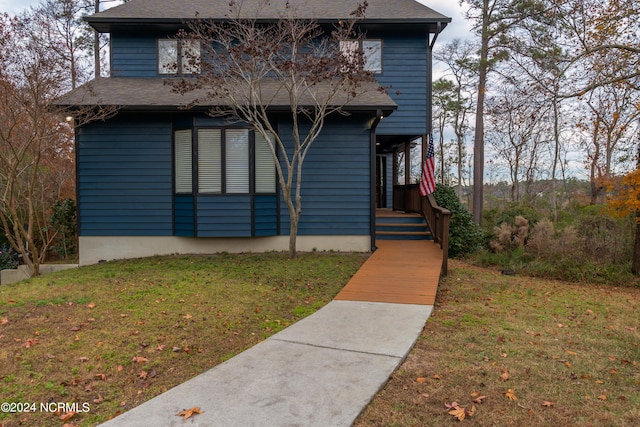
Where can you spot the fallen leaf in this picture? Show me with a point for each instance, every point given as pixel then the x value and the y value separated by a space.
pixel 30 342
pixel 573 353
pixel 4 320
pixel 143 375
pixel 98 399
pixel 139 359
pixel 91 305
pixel 67 415
pixel 479 399
pixel 602 397
pixel 547 404
pixel 505 375
pixel 472 412
pixel 511 395
pixel 120 368
pixel 436 377
pixel 421 380
pixel 458 412
pixel 188 316
pixel 188 413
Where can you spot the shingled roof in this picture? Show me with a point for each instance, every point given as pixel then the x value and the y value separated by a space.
pixel 154 94
pixel 176 11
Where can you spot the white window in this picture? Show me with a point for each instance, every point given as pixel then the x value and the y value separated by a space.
pixel 372 55
pixel 370 49
pixel 178 57
pixel 223 161
pixel 237 160
pixel 265 166
pixel 209 160
pixel 183 165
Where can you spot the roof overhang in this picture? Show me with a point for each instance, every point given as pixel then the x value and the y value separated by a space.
pixel 174 13
pixel 154 94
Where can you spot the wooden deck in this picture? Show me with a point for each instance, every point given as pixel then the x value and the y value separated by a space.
pixel 399 271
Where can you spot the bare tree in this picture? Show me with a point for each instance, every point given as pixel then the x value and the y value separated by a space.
pixel 315 70
pixel 462 63
pixel 517 127
pixel 494 20
pixel 36 143
pixel 611 125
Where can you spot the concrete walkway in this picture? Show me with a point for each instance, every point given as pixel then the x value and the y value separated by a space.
pixel 321 371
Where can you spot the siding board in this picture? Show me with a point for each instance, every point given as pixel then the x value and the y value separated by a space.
pixel 130 197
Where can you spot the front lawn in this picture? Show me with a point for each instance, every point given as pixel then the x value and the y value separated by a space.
pixel 519 351
pixel 111 336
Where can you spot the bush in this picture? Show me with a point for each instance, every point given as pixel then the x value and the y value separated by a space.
pixel 465 236
pixel 8 258
pixel 63 220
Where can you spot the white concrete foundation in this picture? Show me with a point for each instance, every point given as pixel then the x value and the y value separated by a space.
pixel 99 248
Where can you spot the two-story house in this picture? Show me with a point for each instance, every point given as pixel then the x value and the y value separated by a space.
pixel 137 192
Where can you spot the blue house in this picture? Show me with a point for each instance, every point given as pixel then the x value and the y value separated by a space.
pixel 149 181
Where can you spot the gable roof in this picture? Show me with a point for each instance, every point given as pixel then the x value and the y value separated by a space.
pixel 154 94
pixel 176 11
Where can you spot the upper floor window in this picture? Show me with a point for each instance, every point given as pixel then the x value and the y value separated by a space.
pixel 371 49
pixel 178 56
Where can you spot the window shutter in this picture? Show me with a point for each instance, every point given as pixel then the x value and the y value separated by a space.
pixel 183 166
pixel 209 161
pixel 237 161
pixel 265 167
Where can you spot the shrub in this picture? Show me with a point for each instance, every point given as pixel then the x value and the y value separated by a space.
pixel 510 237
pixel 465 236
pixel 8 258
pixel 63 220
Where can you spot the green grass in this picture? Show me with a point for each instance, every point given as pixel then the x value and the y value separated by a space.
pixel 116 334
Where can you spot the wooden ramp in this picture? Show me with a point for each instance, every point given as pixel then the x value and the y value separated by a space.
pixel 399 271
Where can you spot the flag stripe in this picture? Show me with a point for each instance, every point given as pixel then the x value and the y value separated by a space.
pixel 428 182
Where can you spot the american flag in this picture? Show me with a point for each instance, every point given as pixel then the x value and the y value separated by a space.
pixel 428 182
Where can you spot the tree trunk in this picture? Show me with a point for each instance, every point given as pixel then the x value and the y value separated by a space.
pixel 635 264
pixel 478 139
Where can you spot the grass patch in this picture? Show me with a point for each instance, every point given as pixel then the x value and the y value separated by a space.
pixel 117 334
pixel 570 353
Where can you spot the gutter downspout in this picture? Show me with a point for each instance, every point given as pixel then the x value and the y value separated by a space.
pixel 372 220
pixel 429 106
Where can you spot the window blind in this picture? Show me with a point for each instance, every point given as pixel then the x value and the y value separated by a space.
pixel 183 165
pixel 265 167
pixel 209 160
pixel 237 160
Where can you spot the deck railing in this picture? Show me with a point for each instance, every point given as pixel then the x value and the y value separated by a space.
pixel 407 198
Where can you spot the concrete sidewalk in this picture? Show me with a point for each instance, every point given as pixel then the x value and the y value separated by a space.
pixel 321 371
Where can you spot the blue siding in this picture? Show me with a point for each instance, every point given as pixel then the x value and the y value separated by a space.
pixel 336 180
pixel 224 216
pixel 265 215
pixel 404 75
pixel 124 177
pixel 134 55
pixel 184 216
